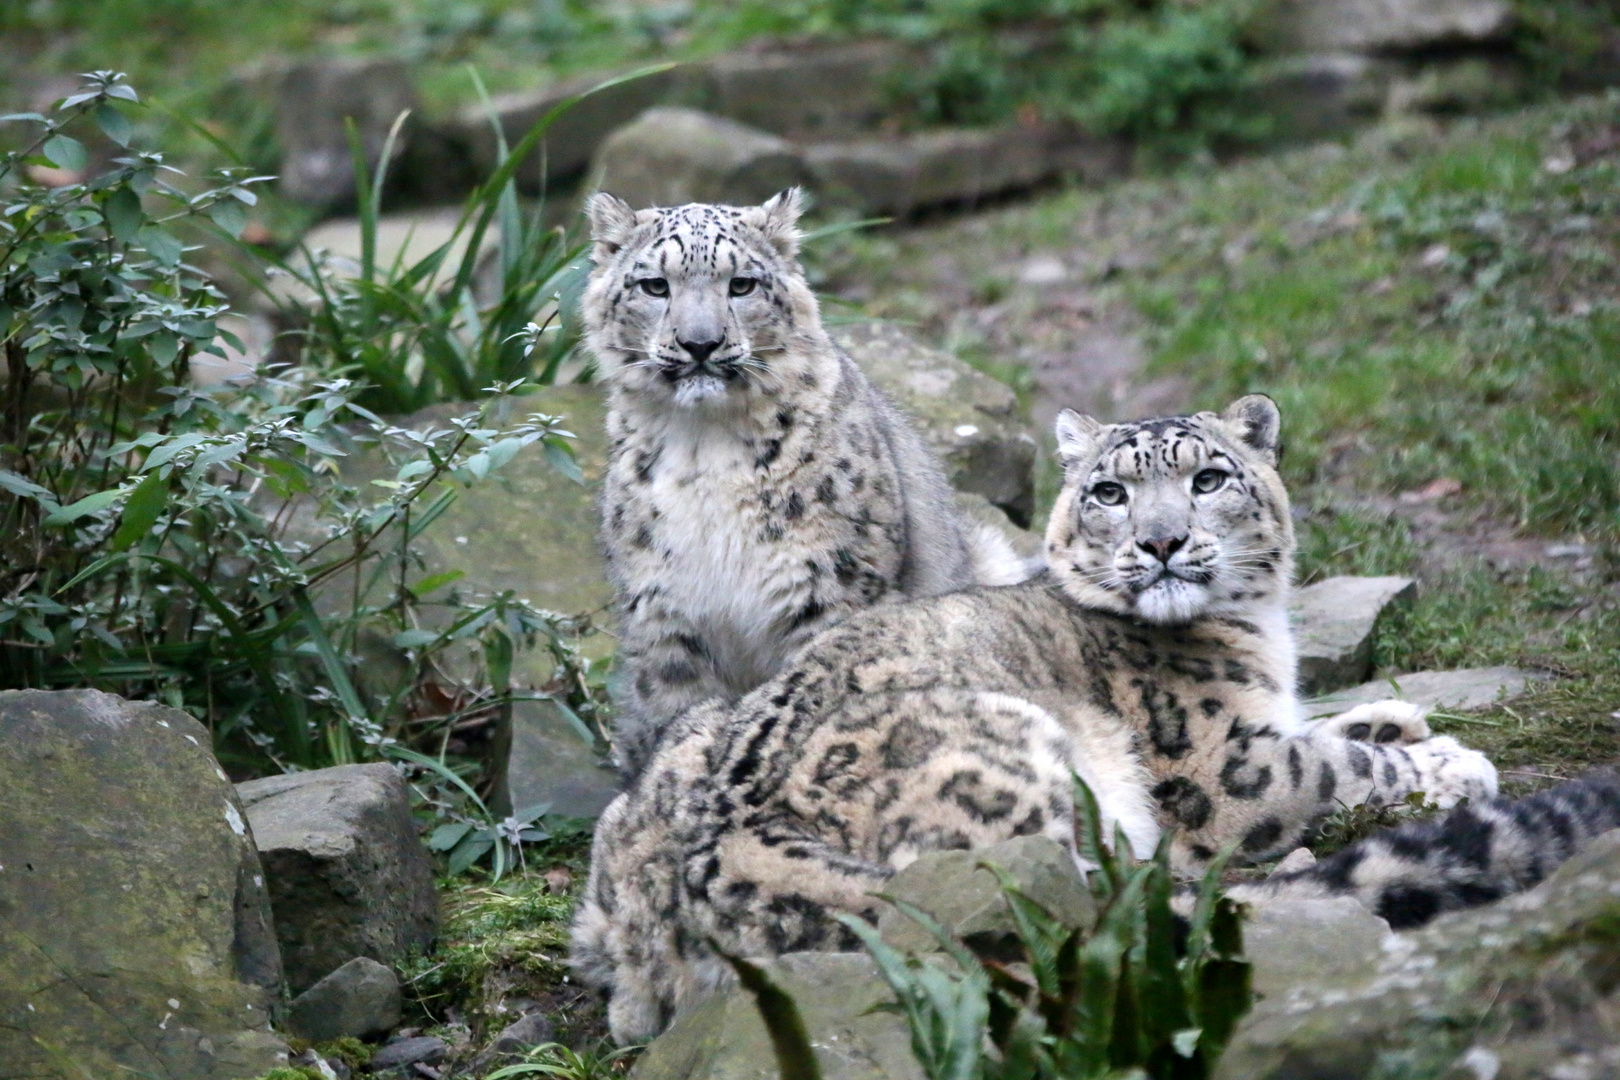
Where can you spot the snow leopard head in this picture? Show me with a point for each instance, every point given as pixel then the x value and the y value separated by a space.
pixel 1167 520
pixel 697 303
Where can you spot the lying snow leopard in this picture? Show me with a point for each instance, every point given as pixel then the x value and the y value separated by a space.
pixel 759 489
pixel 1153 658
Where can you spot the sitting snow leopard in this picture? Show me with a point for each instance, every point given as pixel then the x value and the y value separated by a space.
pixel 1154 659
pixel 759 489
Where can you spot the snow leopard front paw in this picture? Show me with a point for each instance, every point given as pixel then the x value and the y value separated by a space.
pixel 1380 722
pixel 1449 772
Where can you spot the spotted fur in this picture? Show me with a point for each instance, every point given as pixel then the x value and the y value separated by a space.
pixel 759 488
pixel 1153 659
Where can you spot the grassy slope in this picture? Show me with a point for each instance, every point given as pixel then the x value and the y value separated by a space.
pixel 1425 306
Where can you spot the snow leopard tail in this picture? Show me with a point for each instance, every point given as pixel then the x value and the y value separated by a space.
pixel 1469 856
pixel 994 560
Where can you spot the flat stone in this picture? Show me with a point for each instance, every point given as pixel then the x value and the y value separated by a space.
pixel 970 420
pixel 1310 942
pixel 1315 95
pixel 576 135
pixel 1463 689
pixel 516 1038
pixel 671 156
pixel 724 1038
pixel 1515 990
pixel 1374 26
pixel 425 1049
pixel 898 174
pixel 362 998
pixel 347 874
pixel 1336 623
pixel 552 763
pixel 314 100
pixel 821 89
pixel 135 930
pixel 968 901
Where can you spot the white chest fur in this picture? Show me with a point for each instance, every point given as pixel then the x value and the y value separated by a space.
pixel 736 586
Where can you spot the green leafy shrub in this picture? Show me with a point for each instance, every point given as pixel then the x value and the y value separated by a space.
pixel 198 544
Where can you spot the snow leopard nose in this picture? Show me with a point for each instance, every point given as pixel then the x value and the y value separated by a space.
pixel 701 350
pixel 1162 546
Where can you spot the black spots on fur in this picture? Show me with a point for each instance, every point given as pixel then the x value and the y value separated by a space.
pixel 645 461
pixel 767 457
pixel 966 789
pixel 784 418
pixel 1197 668
pixel 1240 782
pixel 1237 672
pixel 643 537
pixel 795 507
pixel 1327 782
pixel 1407 906
pixel 845 567
pixel 677 673
pixel 909 744
pixel 694 645
pixel 1263 837
pixel 1210 707
pixel 836 763
pixel 812 611
pixel 1167 720
pixel 644 685
pixel 827 490
pixel 1296 769
pixel 1466 837
pixel 771 533
pixel 741 891
pixel 1392 775
pixel 1184 802
pixel 1201 852
pixel 1360 761
pixel 1033 823
pixel 807 379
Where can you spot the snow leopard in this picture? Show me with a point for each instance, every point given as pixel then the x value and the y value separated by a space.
pixel 1152 658
pixel 759 488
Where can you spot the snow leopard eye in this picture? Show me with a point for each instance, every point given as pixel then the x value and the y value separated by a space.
pixel 742 286
pixel 1209 480
pixel 1109 493
pixel 653 286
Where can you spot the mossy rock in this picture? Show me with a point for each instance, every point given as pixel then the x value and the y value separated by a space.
pixel 135 930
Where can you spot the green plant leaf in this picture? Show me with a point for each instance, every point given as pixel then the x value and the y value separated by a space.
pixel 161 244
pixel 795 1056
pixel 141 511
pixel 114 123
pixel 66 152
pixel 124 215
pixel 448 835
pixel 466 853
pixel 434 582
pixel 21 486
pixel 229 215
pixel 90 504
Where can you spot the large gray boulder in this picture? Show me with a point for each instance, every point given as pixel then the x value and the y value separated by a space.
pixel 969 419
pixel 670 156
pixel 813 91
pixel 314 99
pixel 348 876
pixel 1517 990
pixel 1336 626
pixel 135 932
pixel 724 1038
pixel 953 165
pixel 552 763
pixel 968 901
pixel 576 134
pixel 1379 26
pixel 1463 689
pixel 360 999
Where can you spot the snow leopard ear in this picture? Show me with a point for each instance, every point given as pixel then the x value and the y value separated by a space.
pixel 779 220
pixel 612 220
pixel 1077 437
pixel 1259 425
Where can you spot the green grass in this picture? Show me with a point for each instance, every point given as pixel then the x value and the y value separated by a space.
pixel 1424 304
